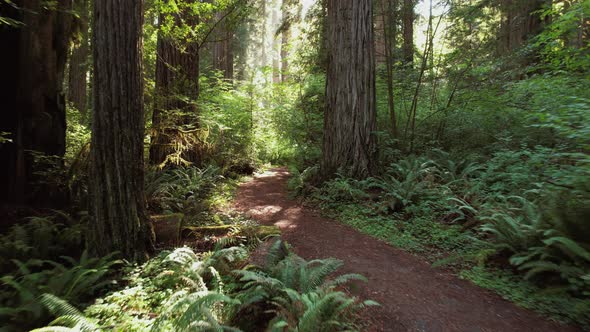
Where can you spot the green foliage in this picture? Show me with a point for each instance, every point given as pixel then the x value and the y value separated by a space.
pixel 342 189
pixel 299 182
pixel 557 305
pixel 182 190
pixel 468 213
pixel 7 22
pixel 561 44
pixel 181 290
pixel 298 292
pixel 301 124
pixel 69 318
pixel 515 233
pixel 544 242
pixel 177 290
pixel 315 311
pixel 75 281
pixel 4 138
pixel 405 183
pixel 197 18
pixel 77 135
pixel 42 237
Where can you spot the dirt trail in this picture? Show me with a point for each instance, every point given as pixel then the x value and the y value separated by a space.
pixel 413 295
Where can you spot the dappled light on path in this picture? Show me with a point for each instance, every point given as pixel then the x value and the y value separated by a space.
pixel 413 295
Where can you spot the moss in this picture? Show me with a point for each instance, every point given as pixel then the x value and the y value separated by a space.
pixel 167 227
pixel 173 217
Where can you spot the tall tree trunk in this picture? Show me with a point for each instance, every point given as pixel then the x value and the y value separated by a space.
pixel 177 88
pixel 287 21
pixel 264 56
pixel 389 38
pixel 228 71
pixel 276 52
pixel 223 53
pixel 285 54
pixel 33 101
pixel 349 120
pixel 77 83
pixel 408 31
pixel 118 200
pixel 520 22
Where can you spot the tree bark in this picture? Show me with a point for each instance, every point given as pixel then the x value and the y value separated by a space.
pixel 285 54
pixel 120 221
pixel 276 52
pixel 77 84
pixel 389 41
pixel 520 23
pixel 223 53
pixel 349 142
pixel 35 55
pixel 177 88
pixel 408 31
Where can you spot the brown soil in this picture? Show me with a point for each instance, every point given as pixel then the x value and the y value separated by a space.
pixel 413 295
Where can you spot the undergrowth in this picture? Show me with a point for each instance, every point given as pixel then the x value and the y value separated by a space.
pixel 515 223
pixel 181 290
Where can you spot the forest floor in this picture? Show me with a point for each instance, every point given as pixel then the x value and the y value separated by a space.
pixel 414 296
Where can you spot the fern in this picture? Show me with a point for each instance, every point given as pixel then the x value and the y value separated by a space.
pixel 73 281
pixel 299 292
pixel 193 312
pixel 540 244
pixel 69 318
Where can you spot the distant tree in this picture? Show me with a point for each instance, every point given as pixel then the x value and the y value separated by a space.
pixel 79 61
pixel 223 47
pixel 388 19
pixel 408 17
pixel 120 221
pixel 35 41
pixel 291 12
pixel 349 121
pixel 177 86
pixel 521 20
pixel 276 43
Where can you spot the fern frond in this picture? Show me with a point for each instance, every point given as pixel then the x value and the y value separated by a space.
pixel 68 315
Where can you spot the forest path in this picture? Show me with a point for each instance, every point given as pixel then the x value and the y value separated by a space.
pixel 413 295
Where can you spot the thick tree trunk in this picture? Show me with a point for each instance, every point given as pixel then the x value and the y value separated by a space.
pixel 349 122
pixel 177 88
pixel 408 31
pixel 33 101
pixel 118 201
pixel 77 84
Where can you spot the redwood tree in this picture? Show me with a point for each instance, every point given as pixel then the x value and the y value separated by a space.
pixel 118 201
pixel 33 105
pixel 408 31
pixel 223 46
pixel 177 88
pixel 77 81
pixel 349 120
pixel 521 21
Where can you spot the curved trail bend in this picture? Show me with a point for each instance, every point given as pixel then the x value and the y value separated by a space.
pixel 413 295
